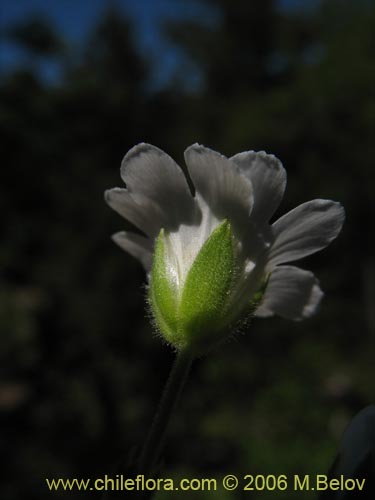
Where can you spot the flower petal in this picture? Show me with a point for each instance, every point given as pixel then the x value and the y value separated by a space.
pixel 151 174
pixel 221 184
pixel 137 245
pixel 268 178
pixel 291 293
pixel 305 230
pixel 143 213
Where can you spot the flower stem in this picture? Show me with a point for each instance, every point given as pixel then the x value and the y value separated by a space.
pixel 172 391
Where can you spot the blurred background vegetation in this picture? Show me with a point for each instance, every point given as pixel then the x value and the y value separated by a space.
pixel 81 369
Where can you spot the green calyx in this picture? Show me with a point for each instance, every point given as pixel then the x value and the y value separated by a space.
pixel 163 294
pixel 193 315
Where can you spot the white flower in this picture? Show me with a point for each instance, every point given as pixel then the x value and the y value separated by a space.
pixel 219 242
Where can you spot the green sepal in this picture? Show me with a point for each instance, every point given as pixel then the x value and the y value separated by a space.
pixel 207 288
pixel 163 294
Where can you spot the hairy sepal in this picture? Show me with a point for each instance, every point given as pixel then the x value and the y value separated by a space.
pixel 195 316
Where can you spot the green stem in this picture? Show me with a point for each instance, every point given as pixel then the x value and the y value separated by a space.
pixel 172 391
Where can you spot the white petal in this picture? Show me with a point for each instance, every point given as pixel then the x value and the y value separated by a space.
pixel 221 184
pixel 143 213
pixel 138 246
pixel 151 174
pixel 292 293
pixel 268 178
pixel 305 230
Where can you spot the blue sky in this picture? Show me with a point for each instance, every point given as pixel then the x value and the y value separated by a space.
pixel 75 18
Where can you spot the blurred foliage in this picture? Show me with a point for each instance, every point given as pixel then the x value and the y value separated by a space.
pixel 37 36
pixel 81 369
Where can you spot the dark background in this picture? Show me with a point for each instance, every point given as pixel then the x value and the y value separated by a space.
pixel 81 369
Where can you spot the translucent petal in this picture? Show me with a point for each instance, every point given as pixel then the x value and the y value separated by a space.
pixel 143 213
pixel 268 179
pixel 291 293
pixel 221 184
pixel 150 174
pixel 137 245
pixel 305 230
